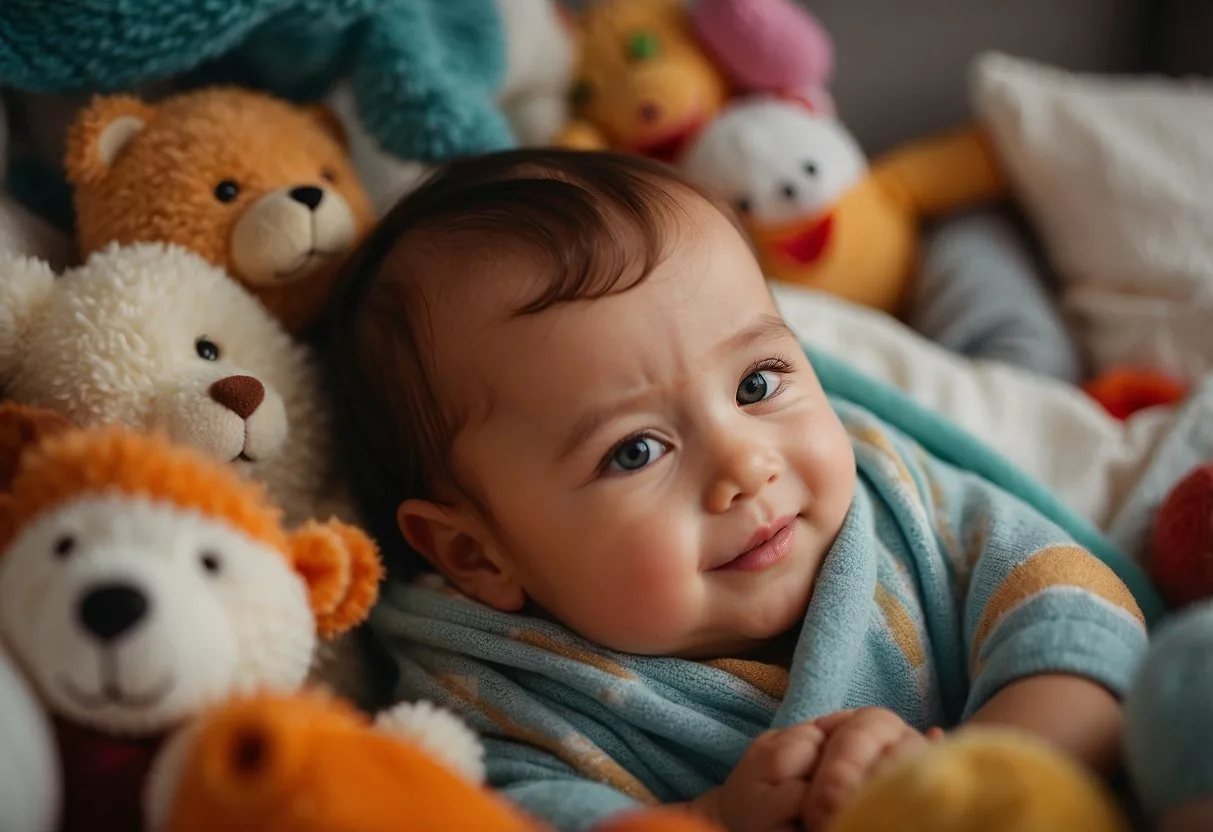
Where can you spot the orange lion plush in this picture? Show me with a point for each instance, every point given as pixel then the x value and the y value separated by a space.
pixel 260 187
pixel 310 763
pixel 141 583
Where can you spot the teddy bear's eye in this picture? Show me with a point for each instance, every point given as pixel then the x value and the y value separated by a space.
pixel 810 168
pixel 328 176
pixel 211 563
pixel 227 190
pixel 64 546
pixel 207 350
pixel 743 206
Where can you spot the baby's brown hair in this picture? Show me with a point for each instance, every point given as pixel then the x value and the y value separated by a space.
pixel 596 222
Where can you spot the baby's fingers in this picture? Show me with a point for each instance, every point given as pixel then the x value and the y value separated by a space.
pixel 847 761
pixel 786 754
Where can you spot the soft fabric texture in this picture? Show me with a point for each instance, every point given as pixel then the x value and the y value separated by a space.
pixel 1169 715
pixel 1116 174
pixel 1053 431
pixel 254 184
pixel 154 337
pixel 980 292
pixel 103 778
pixel 940 589
pixel 425 72
pixel 31 787
pixel 765 45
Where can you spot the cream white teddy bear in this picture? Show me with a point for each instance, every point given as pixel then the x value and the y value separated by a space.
pixel 153 337
pixel 142 582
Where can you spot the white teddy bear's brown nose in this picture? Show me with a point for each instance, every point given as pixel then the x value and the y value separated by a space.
pixel 240 394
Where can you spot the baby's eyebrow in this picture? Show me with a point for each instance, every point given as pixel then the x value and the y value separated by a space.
pixel 766 328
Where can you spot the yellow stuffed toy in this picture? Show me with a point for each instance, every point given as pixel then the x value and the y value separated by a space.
pixel 644 84
pixel 818 213
pixel 983 780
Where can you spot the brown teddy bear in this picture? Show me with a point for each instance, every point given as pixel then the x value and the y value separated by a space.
pixel 256 185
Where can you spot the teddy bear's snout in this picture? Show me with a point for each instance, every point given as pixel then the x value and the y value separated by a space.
pixel 289 233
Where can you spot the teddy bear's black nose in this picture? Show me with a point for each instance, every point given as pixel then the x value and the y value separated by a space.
pixel 309 195
pixel 110 610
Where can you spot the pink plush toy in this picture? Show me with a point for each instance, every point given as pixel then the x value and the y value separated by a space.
pixel 766 45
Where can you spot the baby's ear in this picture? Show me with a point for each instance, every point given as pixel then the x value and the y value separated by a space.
pixel 101 132
pixel 341 567
pixel 26 285
pixel 329 122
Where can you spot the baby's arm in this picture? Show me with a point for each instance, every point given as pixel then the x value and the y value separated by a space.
pixel 1078 716
pixel 1051 635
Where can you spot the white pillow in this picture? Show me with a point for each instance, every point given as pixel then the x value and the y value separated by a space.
pixel 1117 174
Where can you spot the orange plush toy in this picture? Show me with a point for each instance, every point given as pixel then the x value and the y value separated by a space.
pixel 255 185
pixel 309 763
pixel 819 214
pixel 141 583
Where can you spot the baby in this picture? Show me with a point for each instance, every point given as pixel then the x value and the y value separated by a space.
pixel 672 570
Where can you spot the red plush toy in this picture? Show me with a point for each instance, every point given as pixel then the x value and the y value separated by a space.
pixel 1125 391
pixel 1182 552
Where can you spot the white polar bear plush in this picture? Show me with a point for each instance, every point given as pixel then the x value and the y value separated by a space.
pixel 153 337
pixel 142 582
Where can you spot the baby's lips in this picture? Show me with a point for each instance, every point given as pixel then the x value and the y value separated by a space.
pixel 802 242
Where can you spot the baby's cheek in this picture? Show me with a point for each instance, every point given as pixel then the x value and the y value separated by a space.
pixel 654 588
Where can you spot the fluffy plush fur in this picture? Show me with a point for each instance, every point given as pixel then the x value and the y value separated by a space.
pixel 310 764
pixel 258 186
pixel 141 582
pixel 153 337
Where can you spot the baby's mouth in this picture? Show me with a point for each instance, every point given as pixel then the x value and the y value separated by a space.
pixel 768 547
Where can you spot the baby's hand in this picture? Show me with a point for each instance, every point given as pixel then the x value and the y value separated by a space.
pixel 766 790
pixel 856 744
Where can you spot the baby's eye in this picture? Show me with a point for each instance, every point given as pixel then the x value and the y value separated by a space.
pixel 635 453
pixel 757 386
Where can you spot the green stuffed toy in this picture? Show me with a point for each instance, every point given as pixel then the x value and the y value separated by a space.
pixel 425 73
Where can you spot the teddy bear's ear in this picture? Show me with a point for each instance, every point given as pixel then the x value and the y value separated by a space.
pixel 21 427
pixel 101 132
pixel 329 122
pixel 341 567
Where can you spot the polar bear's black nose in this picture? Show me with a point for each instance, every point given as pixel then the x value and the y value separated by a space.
pixel 309 195
pixel 110 610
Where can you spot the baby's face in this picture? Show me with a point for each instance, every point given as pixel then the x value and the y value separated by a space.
pixel 665 471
